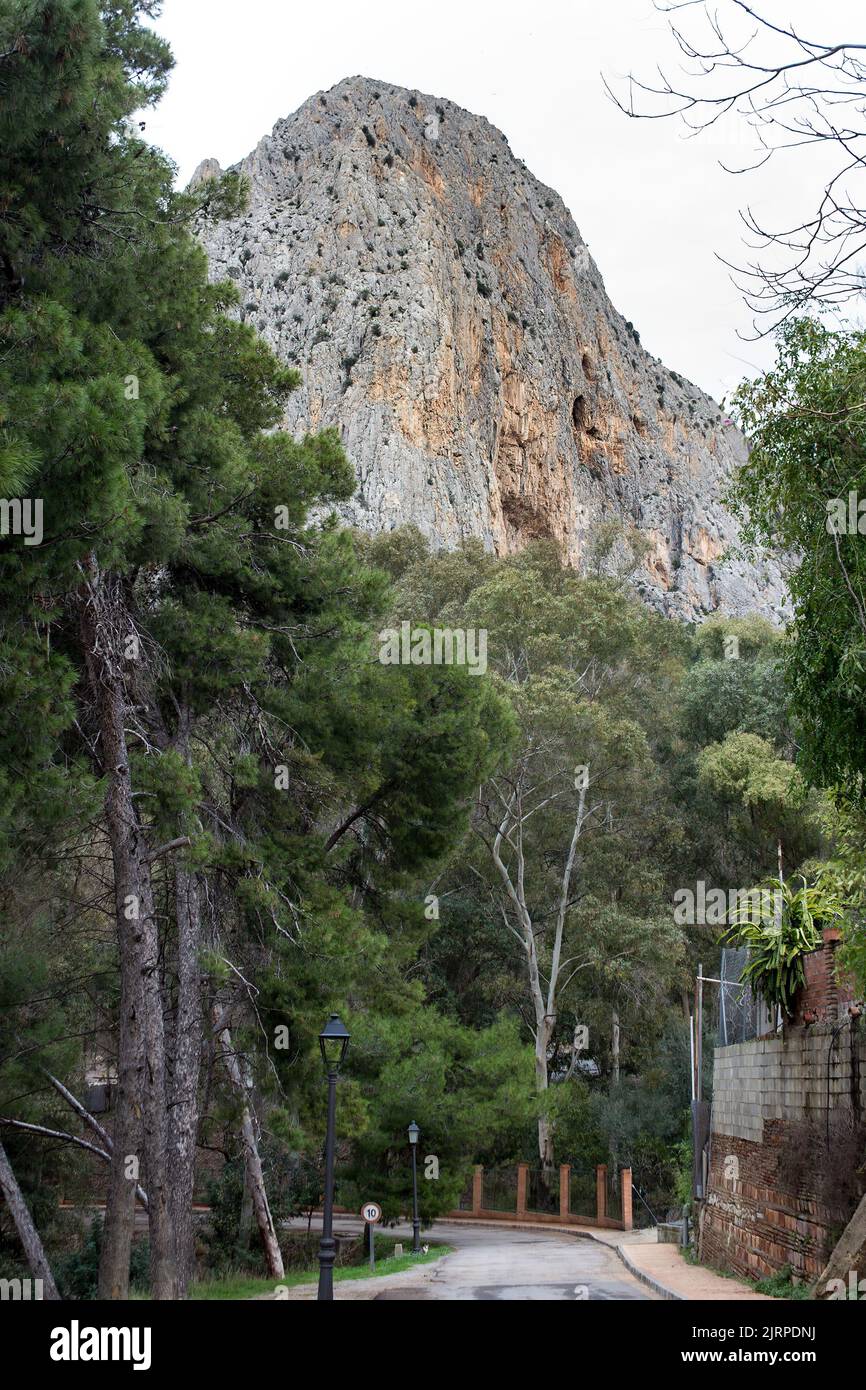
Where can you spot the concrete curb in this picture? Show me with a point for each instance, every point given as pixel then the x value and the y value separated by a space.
pixel 587 1232
pixel 647 1279
pixel 580 1231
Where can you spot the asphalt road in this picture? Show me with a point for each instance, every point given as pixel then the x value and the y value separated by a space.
pixel 502 1264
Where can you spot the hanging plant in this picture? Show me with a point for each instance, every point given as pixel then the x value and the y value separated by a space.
pixel 781 925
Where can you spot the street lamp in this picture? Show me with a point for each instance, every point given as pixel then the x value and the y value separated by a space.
pixel 414 1131
pixel 334 1044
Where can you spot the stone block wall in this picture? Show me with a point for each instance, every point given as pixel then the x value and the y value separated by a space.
pixel 772 1196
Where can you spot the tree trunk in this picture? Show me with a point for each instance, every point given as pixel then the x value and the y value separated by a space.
pixel 119 1222
pixel 546 1009
pixel 614 1047
pixel 27 1232
pixel 849 1254
pixel 545 1144
pixel 163 1269
pixel 252 1162
pixel 183 1031
pixel 105 626
pixel 543 1033
pixel 245 1220
pixel 183 1127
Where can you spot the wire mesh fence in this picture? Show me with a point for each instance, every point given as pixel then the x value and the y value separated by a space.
pixel 742 1015
pixel 582 1194
pixel 542 1191
pixel 465 1202
pixel 500 1189
pixel 737 1009
pixel 613 1205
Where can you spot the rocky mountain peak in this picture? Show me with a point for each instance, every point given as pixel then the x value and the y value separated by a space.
pixel 447 316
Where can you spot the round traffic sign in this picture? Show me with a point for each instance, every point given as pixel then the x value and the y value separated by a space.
pixel 371 1212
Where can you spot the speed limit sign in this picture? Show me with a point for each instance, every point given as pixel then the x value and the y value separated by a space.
pixel 371 1212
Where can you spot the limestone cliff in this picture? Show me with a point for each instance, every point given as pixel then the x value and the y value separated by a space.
pixel 447 316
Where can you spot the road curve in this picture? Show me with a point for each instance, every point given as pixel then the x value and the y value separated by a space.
pixel 498 1264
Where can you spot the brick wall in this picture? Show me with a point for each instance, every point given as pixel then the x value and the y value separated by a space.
pixel 773 1192
pixel 827 992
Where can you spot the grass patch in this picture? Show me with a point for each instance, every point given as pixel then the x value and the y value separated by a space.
pixel 781 1285
pixel 241 1286
pixel 393 1264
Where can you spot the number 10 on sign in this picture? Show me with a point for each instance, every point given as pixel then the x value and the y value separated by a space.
pixel 371 1213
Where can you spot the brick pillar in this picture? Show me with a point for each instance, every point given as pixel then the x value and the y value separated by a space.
pixel 522 1175
pixel 477 1189
pixel 601 1190
pixel 832 936
pixel 564 1190
pixel 625 1179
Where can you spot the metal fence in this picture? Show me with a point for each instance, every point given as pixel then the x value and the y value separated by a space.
pixel 652 1205
pixel 532 1193
pixel 542 1191
pixel 583 1191
pixel 499 1191
pixel 465 1202
pixel 741 1014
pixel 613 1200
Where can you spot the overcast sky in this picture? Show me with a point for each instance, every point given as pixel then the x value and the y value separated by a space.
pixel 653 206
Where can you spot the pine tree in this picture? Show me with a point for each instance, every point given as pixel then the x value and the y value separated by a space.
pixel 182 629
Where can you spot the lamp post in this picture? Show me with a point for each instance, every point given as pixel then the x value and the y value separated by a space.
pixel 414 1131
pixel 334 1043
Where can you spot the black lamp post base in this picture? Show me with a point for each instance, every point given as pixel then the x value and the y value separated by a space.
pixel 416 1220
pixel 327 1256
pixel 327 1245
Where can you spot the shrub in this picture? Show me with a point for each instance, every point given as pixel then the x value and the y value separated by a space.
pixel 78 1274
pixel 294 1189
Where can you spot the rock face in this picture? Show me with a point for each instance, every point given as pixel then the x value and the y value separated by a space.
pixel 448 318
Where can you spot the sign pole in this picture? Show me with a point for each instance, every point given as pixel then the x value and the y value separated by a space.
pixel 371 1212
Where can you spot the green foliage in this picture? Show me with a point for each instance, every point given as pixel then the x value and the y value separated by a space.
pixel 683 1153
pixel 781 925
pixel 294 1185
pixel 77 1274
pixel 319 798
pixel 736 682
pixel 142 413
pixel 805 422
pixel 782 1285
pixel 744 768
pixel 844 823
pixel 471 1092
